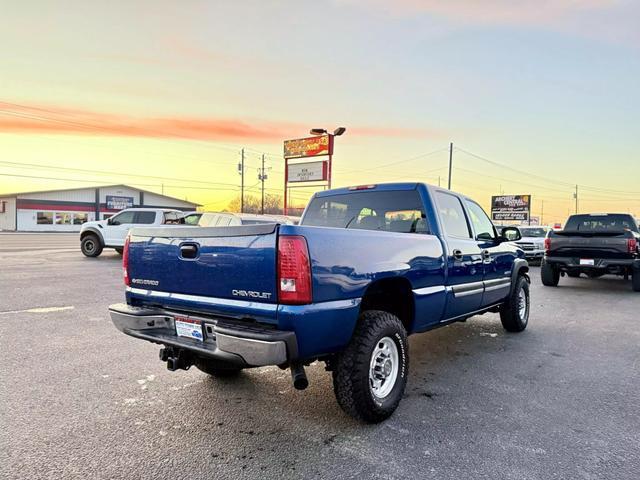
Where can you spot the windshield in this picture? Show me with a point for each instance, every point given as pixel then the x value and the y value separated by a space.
pixel 601 223
pixel 533 232
pixel 391 211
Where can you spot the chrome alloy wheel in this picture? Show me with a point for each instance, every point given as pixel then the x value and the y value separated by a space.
pixel 383 369
pixel 523 305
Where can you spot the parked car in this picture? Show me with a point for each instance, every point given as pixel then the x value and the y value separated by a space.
pixel 532 242
pixel 593 244
pixel 111 233
pixel 366 267
pixel 226 219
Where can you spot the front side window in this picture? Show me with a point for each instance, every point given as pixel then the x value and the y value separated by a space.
pixel 123 218
pixel 481 223
pixel 452 214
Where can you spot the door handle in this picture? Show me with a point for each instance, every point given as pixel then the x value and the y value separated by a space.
pixel 486 254
pixel 457 254
pixel 188 250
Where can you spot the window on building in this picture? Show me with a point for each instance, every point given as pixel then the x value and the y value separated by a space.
pixel 452 215
pixel 45 218
pixel 144 218
pixel 63 218
pixel 80 218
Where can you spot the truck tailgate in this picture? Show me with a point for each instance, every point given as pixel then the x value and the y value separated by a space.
pixel 597 245
pixel 223 262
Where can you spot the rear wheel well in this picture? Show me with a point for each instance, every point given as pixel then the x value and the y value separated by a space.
pixel 393 295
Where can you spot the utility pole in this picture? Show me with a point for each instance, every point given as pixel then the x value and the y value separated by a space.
pixel 575 195
pixel 450 163
pixel 241 172
pixel 262 176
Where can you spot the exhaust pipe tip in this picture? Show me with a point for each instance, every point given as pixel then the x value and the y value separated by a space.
pixel 298 376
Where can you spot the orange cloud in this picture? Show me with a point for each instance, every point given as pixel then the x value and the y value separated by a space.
pixel 19 118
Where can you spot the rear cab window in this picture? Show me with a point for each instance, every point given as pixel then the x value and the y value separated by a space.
pixel 399 211
pixel 601 223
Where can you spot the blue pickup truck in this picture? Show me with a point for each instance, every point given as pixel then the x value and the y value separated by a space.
pixel 367 266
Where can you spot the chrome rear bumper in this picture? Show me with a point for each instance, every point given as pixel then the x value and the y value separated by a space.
pixel 237 342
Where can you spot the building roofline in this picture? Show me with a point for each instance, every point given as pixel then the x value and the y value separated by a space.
pixel 15 194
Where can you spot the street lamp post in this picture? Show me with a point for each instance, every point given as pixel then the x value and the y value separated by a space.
pixel 336 133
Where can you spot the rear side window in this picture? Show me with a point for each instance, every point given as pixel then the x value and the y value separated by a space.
pixel 390 211
pixel 144 218
pixel 452 215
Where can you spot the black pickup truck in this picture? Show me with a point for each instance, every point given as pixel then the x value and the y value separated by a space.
pixel 593 244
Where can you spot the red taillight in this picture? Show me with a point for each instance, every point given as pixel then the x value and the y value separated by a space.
pixel 362 187
pixel 632 245
pixel 294 270
pixel 125 262
pixel 547 245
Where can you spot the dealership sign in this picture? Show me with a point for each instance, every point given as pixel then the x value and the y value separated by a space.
pixel 307 172
pixel 308 147
pixel 511 208
pixel 115 202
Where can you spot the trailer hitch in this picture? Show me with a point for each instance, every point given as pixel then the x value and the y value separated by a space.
pixel 177 359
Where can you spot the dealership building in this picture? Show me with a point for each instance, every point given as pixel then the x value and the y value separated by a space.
pixel 67 210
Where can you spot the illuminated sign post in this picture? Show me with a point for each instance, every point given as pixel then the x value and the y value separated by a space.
pixel 300 172
pixel 511 208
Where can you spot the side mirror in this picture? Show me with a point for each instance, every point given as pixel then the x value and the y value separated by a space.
pixel 511 234
pixel 109 221
pixel 486 237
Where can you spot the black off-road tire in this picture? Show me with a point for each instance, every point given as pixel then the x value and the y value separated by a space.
pixel 549 274
pixel 351 382
pixel 635 280
pixel 90 245
pixel 513 317
pixel 217 369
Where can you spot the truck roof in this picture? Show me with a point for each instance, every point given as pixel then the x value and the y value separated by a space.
pixel 370 186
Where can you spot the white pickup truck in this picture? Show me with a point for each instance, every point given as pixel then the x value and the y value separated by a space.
pixel 111 233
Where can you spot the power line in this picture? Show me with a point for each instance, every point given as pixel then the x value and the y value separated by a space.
pixel 529 174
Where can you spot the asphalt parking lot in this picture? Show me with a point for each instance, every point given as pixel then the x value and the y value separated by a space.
pixel 78 399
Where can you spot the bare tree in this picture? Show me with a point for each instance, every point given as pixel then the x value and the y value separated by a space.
pixel 272 204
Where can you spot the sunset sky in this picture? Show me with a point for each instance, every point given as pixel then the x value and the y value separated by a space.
pixel 536 96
